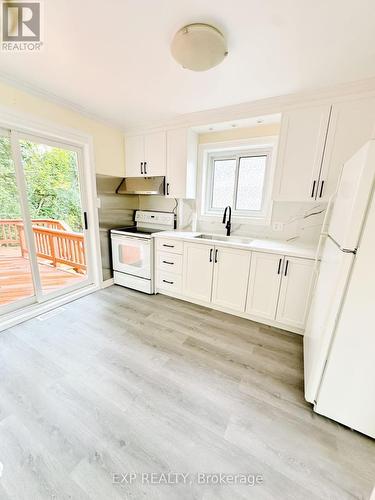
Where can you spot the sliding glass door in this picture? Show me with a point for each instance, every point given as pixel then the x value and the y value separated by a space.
pixel 44 248
pixel 16 279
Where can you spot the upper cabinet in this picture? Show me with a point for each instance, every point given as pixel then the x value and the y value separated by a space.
pixel 314 144
pixel 171 153
pixel 301 146
pixel 352 123
pixel 146 155
pixel 182 147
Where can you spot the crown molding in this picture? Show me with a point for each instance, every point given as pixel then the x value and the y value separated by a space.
pixel 269 105
pixel 58 100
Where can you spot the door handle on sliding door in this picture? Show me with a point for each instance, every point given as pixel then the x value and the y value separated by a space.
pixel 85 220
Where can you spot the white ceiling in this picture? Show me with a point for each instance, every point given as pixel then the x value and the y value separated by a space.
pixel 113 59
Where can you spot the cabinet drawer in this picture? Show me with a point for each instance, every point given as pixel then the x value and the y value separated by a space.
pixel 169 262
pixel 169 282
pixel 171 246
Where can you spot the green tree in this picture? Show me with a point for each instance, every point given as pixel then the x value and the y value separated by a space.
pixel 9 203
pixel 52 183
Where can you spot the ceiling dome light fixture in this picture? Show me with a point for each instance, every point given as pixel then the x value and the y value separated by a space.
pixel 199 47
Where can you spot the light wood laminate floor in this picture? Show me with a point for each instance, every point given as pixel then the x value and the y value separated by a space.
pixel 120 382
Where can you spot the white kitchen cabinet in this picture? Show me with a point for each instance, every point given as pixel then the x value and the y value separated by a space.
pixel 352 123
pixel 266 287
pixel 146 155
pixel 300 152
pixel 264 284
pixel 231 272
pixel 295 291
pixel 155 154
pixel 197 271
pixel 182 147
pixel 134 155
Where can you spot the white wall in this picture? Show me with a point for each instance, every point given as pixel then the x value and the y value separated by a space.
pixel 108 141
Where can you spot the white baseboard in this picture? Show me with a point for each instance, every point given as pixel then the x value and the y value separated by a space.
pixel 107 283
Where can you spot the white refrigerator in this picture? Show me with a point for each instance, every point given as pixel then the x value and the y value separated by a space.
pixel 339 341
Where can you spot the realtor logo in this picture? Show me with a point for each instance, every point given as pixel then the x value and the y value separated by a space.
pixel 21 26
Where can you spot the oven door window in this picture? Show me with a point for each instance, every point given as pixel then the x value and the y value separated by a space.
pixel 132 256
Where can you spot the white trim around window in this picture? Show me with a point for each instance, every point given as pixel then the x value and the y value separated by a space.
pixel 236 150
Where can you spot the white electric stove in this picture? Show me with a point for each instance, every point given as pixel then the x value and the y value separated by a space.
pixel 133 249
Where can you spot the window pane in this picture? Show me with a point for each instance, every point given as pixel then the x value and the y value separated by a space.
pixel 16 281
pixel 223 183
pixel 54 201
pixel 251 175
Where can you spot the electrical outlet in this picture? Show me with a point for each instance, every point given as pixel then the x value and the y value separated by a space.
pixel 277 226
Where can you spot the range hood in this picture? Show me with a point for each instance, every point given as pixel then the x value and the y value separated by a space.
pixel 142 185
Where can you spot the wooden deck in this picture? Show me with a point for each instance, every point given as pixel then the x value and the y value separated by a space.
pixel 15 276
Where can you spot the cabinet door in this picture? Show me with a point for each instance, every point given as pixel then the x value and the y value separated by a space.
pixel 181 163
pixel 352 123
pixel 302 138
pixel 231 273
pixel 264 284
pixel 198 268
pixel 134 155
pixel 155 154
pixel 295 291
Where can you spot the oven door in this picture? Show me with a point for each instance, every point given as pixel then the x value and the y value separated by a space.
pixel 131 255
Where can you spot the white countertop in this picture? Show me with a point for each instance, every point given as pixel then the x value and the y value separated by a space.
pixel 293 249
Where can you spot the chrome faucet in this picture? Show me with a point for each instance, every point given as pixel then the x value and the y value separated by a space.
pixel 228 225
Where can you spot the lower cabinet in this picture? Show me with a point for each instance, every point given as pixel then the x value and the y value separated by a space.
pixel 279 288
pixel 198 269
pixel 257 285
pixel 264 284
pixel 295 290
pixel 231 272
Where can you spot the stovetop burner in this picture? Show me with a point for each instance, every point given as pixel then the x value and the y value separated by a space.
pixel 137 230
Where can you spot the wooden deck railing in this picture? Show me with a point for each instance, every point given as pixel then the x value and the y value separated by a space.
pixel 54 241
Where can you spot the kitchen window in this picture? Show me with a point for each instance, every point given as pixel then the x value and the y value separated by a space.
pixel 240 178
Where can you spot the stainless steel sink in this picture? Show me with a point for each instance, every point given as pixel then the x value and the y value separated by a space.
pixel 228 239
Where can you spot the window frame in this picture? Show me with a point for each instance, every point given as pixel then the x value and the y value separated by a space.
pixel 265 146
